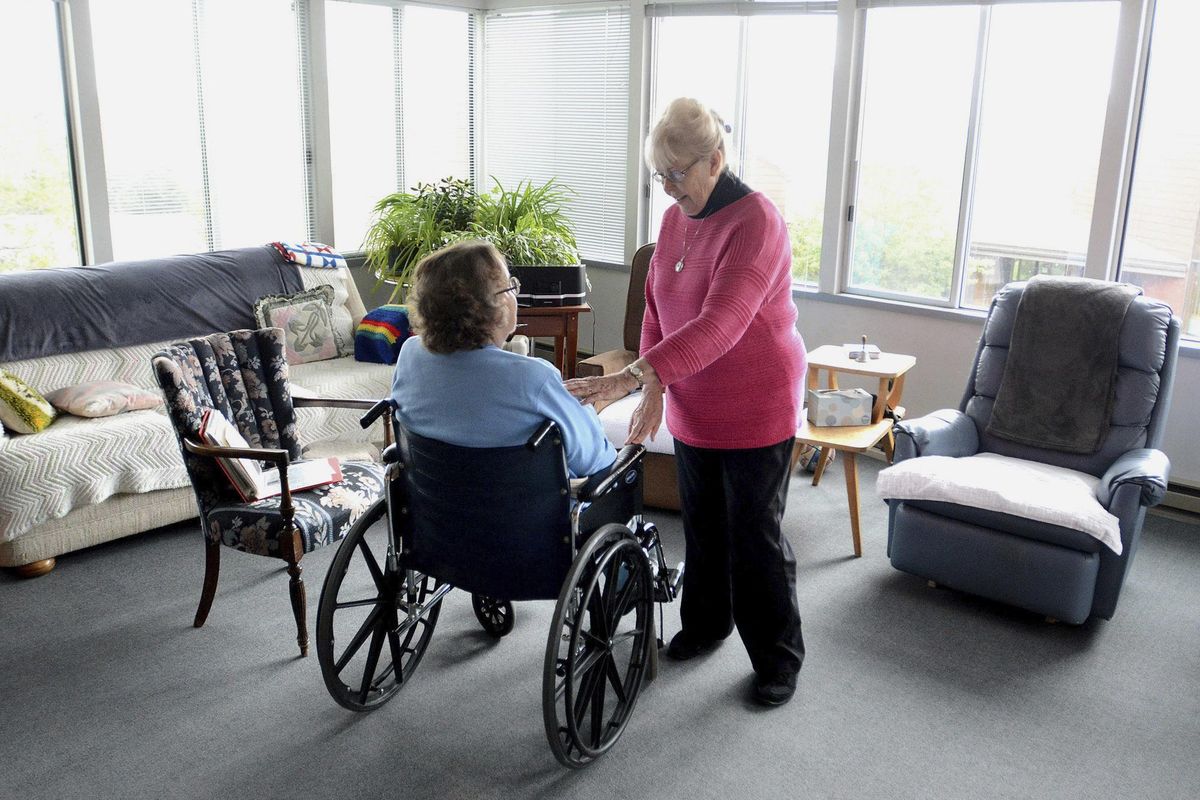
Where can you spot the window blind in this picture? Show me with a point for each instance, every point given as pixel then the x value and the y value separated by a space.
pixel 204 124
pixel 556 105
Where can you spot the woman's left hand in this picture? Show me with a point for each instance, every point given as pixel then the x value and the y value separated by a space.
pixel 646 417
pixel 600 388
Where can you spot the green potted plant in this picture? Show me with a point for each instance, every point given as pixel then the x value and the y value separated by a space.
pixel 527 224
pixel 410 226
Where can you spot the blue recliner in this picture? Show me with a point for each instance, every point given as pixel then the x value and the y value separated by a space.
pixel 1052 570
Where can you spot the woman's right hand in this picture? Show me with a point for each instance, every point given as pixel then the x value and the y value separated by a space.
pixel 601 387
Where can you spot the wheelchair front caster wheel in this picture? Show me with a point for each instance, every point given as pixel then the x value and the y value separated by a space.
pixel 496 616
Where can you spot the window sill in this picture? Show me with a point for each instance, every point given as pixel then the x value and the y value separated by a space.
pixel 1188 348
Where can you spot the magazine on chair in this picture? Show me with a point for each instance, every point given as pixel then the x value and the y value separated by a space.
pixel 251 480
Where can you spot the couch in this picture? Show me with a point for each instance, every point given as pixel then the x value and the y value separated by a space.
pixel 82 481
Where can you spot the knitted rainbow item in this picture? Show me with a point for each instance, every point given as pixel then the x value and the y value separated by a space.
pixel 311 254
pixel 380 334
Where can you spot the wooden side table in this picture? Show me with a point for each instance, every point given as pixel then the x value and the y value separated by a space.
pixel 559 322
pixel 889 369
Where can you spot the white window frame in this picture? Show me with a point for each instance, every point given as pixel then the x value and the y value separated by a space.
pixel 1113 172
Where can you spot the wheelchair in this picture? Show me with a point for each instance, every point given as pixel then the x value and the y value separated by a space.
pixel 504 524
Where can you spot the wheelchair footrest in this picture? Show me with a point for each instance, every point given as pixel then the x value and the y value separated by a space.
pixel 668 584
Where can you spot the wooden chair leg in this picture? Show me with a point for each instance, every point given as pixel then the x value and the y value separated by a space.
pixel 889 446
pixel 299 606
pixel 212 570
pixel 822 462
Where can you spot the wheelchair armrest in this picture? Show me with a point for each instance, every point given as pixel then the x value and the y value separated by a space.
pixel 942 433
pixel 602 482
pixel 1146 467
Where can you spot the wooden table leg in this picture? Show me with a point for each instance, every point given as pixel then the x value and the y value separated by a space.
pixel 568 366
pixel 851 468
pixel 822 462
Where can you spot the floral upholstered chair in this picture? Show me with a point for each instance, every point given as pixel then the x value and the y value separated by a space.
pixel 244 376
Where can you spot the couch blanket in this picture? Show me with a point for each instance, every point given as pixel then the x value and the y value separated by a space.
pixel 78 309
pixel 47 474
pixel 1057 388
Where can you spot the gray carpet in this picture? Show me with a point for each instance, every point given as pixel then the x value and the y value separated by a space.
pixel 906 692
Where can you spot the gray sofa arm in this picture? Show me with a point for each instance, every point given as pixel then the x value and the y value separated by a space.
pixel 943 433
pixel 1147 468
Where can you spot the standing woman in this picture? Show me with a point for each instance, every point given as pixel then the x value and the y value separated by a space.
pixel 719 337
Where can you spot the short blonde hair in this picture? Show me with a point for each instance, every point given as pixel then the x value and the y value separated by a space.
pixel 688 130
pixel 453 304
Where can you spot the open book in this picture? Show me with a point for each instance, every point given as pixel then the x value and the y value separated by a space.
pixel 251 480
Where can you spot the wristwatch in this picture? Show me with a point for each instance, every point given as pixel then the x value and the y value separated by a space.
pixel 637 374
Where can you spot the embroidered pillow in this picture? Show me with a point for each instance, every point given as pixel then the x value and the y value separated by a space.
pixel 103 398
pixel 307 321
pixel 22 409
pixel 381 333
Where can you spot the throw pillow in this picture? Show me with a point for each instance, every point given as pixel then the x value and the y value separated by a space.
pixel 103 398
pixel 381 333
pixel 307 321
pixel 22 409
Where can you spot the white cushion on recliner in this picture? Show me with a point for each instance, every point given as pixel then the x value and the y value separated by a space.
pixel 615 419
pixel 1029 489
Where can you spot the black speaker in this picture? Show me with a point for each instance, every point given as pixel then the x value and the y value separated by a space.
pixel 551 286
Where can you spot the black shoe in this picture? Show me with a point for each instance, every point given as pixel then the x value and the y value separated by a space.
pixel 775 690
pixel 684 647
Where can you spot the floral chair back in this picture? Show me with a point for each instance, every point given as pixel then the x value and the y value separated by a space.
pixel 243 375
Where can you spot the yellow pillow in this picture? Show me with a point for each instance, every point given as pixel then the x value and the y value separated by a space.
pixel 22 409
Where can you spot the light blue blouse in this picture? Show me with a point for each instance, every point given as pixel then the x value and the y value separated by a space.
pixel 492 398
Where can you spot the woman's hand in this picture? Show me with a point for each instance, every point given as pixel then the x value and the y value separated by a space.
pixel 646 417
pixel 602 387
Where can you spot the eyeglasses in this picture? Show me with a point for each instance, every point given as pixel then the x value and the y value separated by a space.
pixel 674 175
pixel 514 285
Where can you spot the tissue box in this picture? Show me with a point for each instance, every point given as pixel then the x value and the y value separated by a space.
pixel 834 407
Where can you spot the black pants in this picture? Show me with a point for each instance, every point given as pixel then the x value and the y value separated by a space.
pixel 740 569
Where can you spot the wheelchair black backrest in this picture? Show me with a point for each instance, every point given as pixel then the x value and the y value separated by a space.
pixel 489 520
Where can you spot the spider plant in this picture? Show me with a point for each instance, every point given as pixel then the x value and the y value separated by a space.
pixel 410 226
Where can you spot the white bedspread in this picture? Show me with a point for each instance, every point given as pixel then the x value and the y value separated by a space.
pixel 1054 495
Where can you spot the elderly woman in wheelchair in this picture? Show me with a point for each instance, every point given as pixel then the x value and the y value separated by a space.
pixel 480 497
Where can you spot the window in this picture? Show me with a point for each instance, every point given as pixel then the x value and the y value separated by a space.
pixel 980 133
pixel 400 104
pixel 770 78
pixel 204 129
pixel 37 203
pixel 1161 250
pixel 556 99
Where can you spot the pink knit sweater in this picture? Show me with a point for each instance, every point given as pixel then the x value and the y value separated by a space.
pixel 721 333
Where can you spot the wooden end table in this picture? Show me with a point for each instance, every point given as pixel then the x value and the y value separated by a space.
pixel 559 322
pixel 850 440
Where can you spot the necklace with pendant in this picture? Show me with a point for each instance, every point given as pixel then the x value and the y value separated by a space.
pixel 687 245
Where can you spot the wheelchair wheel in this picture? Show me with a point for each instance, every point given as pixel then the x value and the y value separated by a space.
pixel 374 620
pixel 496 616
pixel 599 647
